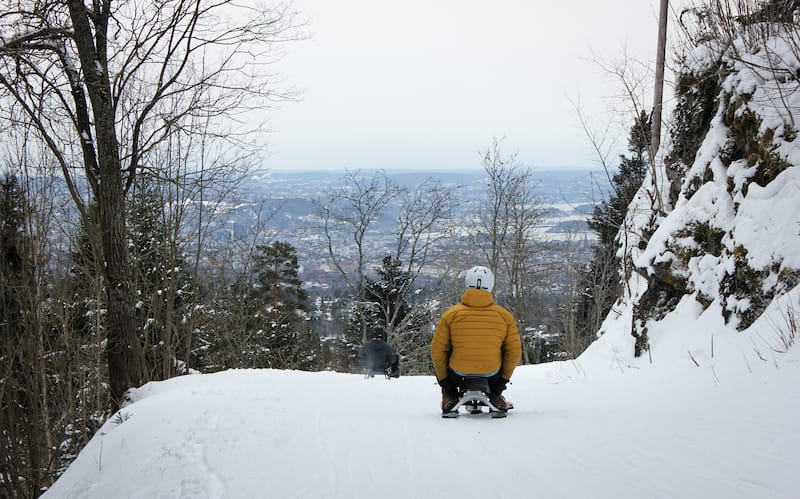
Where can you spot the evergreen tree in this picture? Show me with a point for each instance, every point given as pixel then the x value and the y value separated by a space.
pixel 601 283
pixel 389 301
pixel 17 431
pixel 356 317
pixel 86 288
pixel 608 216
pixel 281 337
pixel 226 329
pixel 392 300
pixel 162 282
pixel 12 253
pixel 381 302
pixel 276 270
pixel 386 295
pixel 26 417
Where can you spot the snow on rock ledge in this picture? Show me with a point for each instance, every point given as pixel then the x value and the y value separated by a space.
pixel 711 243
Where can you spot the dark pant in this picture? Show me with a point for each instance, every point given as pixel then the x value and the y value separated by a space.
pixel 455 381
pixel 393 368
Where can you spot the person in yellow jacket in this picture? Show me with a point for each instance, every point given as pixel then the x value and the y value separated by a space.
pixel 473 338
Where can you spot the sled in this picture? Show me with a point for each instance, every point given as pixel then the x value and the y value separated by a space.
pixel 473 397
pixel 368 373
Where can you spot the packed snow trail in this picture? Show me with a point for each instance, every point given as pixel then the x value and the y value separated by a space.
pixel 617 432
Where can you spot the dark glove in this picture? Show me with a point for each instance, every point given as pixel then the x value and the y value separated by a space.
pixel 499 385
pixel 448 385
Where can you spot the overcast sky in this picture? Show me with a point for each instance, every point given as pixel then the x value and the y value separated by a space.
pixel 427 84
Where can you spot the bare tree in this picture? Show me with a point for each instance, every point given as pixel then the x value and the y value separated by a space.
pixel 194 178
pixel 423 227
pixel 421 219
pixel 630 75
pixel 31 403
pixel 199 179
pixel 762 35
pixel 98 82
pixel 505 235
pixel 423 224
pixel 23 382
pixel 222 317
pixel 346 215
pixel 495 210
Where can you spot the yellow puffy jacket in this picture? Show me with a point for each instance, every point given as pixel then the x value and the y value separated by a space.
pixel 476 336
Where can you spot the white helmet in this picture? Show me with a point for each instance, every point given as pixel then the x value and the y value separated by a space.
pixel 480 278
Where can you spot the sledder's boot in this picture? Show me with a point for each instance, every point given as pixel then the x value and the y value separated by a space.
pixel 498 401
pixel 449 401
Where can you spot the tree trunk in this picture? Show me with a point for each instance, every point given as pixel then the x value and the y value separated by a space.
pixel 123 349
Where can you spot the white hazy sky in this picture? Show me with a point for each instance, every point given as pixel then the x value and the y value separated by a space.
pixel 427 84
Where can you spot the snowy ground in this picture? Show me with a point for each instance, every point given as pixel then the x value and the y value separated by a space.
pixel 586 429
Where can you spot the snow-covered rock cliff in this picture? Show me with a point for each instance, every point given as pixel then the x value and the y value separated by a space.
pixel 714 232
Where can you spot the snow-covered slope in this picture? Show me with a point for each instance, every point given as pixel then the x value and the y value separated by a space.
pixel 588 430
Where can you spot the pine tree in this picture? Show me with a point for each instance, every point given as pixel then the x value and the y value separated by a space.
pixel 387 294
pixel 86 284
pixel 388 301
pixel 161 279
pixel 601 282
pixel 608 216
pixel 356 316
pixel 277 276
pixel 13 416
pixel 226 335
pixel 281 338
pixel 382 302
pixel 23 415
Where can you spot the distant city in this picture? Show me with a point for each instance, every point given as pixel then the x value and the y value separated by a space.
pixel 285 199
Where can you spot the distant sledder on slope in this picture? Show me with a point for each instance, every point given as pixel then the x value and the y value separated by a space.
pixel 475 349
pixel 377 356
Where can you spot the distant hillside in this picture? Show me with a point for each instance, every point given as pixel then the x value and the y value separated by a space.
pixel 285 201
pixel 568 192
